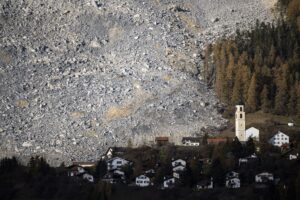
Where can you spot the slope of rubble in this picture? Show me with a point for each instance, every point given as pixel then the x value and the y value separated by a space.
pixel 79 76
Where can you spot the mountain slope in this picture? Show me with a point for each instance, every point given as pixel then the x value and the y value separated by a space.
pixel 79 76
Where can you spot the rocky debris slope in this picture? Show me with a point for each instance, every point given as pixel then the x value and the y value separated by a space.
pixel 79 76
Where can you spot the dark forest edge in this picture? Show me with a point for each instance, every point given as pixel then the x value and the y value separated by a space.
pixel 261 67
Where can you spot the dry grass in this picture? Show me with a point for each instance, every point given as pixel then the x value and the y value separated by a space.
pixel 77 115
pixel 5 57
pixel 115 33
pixel 190 22
pixel 167 77
pixel 118 111
pixel 22 103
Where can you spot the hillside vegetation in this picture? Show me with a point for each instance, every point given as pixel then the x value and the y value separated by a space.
pixel 259 68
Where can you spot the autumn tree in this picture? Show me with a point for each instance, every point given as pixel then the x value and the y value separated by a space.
pixel 251 101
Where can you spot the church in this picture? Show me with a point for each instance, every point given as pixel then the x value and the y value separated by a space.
pixel 240 126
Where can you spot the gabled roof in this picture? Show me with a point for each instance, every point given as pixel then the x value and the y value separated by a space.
pixel 142 175
pixel 280 133
pixel 177 160
pixel 264 174
pixel 252 128
pixel 114 158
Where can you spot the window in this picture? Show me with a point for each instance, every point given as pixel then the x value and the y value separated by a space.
pixel 119 162
pixel 241 109
pixel 241 116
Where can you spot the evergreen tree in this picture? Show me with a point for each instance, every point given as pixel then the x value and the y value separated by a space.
pixel 292 105
pixel 265 102
pixel 101 169
pixel 282 88
pixel 251 101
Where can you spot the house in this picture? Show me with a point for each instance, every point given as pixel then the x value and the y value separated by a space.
pixel 176 174
pixel 116 163
pixel 252 133
pixel 142 181
pixel 75 170
pixel 160 141
pixel 248 158
pixel 85 164
pixel 205 184
pixel 232 174
pixel 88 177
pixel 178 168
pixel 215 141
pixel 150 173
pixel 119 173
pixel 232 180
pixel 242 160
pixel 233 183
pixel 169 182
pixel 191 141
pixel 178 162
pixel 108 154
pixel 293 156
pixel 279 139
pixel 264 177
pixel 113 177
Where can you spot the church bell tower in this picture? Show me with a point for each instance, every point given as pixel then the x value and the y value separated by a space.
pixel 240 123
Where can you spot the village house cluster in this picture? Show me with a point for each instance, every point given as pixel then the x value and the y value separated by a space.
pixel 115 163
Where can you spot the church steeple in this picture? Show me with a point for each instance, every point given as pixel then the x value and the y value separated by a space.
pixel 240 123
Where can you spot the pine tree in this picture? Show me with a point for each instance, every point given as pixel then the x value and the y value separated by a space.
pixel 292 101
pixel 251 100
pixel 265 102
pixel 297 88
pixel 236 97
pixel 282 88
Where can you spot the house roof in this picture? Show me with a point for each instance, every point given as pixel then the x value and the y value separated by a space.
pixel 114 158
pixel 192 139
pixel 142 175
pixel 161 139
pixel 278 133
pixel 216 140
pixel 264 174
pixel 84 164
pixel 252 128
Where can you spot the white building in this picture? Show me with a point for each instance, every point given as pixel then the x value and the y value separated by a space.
pixel 264 177
pixel 247 159
pixel 233 183
pixel 293 156
pixel 191 141
pixel 232 174
pixel 142 181
pixel 240 123
pixel 88 177
pixel 252 133
pixel 178 168
pixel 206 184
pixel 179 162
pixel 116 163
pixel 232 180
pixel 169 183
pixel 279 139
pixel 75 170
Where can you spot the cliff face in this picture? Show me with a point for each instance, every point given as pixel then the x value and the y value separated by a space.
pixel 79 76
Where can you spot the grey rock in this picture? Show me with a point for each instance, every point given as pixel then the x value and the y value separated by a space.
pixel 95 73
